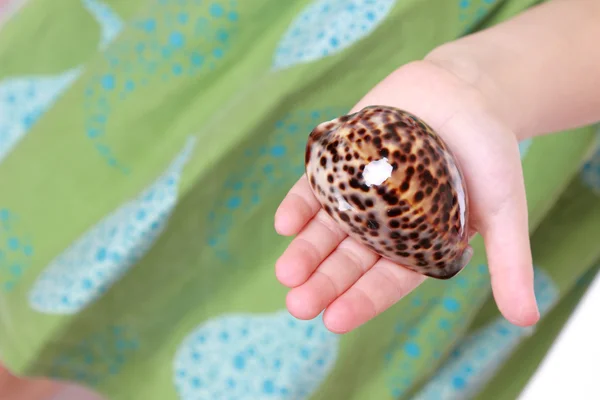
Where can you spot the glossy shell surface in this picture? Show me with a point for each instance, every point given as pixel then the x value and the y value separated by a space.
pixel 392 184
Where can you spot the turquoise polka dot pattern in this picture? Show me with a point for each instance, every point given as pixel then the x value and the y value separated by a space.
pixel 84 271
pixel 590 173
pixel 418 343
pixel 110 23
pixel 96 358
pixel 172 40
pixel 23 100
pixel 16 250
pixel 274 164
pixel 250 356
pixel 477 358
pixel 473 11
pixel 326 27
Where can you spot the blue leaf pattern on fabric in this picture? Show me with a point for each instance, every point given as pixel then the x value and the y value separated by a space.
pixel 16 250
pixel 254 356
pixel 274 164
pixel 477 358
pixel 156 50
pixel 96 357
pixel 110 23
pixel 85 270
pixel 590 173
pixel 326 27
pixel 447 308
pixel 24 99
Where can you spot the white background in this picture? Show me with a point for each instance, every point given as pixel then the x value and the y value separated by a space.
pixel 571 369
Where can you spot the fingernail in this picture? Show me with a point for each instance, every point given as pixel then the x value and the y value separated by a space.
pixel 527 316
pixel 466 256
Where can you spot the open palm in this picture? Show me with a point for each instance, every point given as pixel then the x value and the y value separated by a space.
pixel 327 270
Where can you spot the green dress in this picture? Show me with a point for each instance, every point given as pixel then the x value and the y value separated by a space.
pixel 144 147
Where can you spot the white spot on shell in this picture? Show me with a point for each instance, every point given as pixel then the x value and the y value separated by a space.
pixel 377 172
pixel 343 205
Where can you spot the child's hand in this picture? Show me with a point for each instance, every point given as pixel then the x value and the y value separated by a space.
pixel 329 271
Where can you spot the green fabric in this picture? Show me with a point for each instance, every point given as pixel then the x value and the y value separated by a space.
pixel 507 384
pixel 145 149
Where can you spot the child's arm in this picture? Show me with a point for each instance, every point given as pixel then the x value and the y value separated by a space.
pixel 540 71
pixel 537 73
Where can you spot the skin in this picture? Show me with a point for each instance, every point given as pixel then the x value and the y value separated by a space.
pixel 14 388
pixel 473 92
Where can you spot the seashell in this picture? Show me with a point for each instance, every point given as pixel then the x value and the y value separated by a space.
pixel 392 184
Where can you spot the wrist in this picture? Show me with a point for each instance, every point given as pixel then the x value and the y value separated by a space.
pixel 538 71
pixel 461 62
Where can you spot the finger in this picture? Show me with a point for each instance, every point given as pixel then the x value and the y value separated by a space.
pixel 504 227
pixel 378 289
pixel 511 269
pixel 312 245
pixel 332 278
pixel 296 209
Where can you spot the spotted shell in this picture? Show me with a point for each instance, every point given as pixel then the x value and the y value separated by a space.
pixel 392 184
